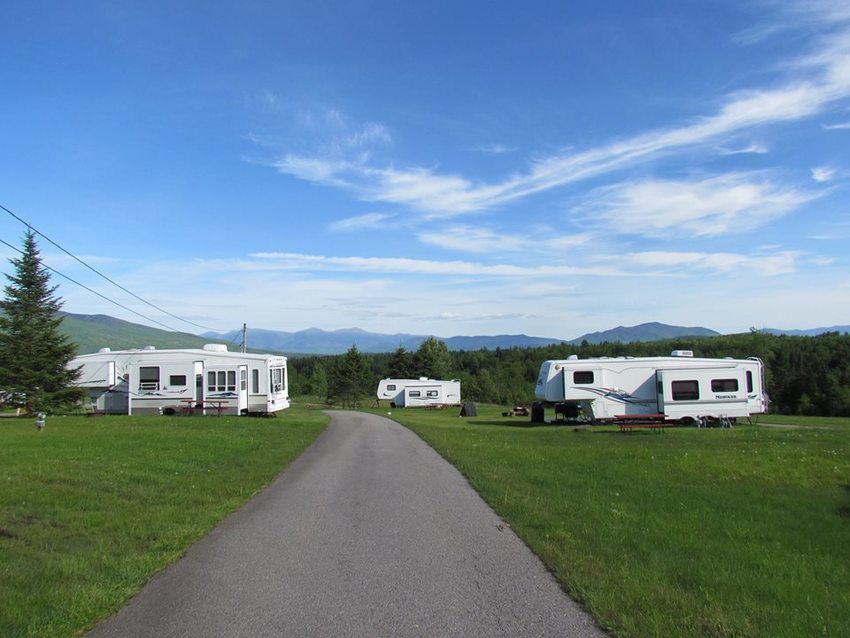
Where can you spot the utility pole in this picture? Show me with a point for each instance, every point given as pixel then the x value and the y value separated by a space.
pixel 244 337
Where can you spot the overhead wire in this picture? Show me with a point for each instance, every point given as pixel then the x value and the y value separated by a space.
pixel 102 296
pixel 113 282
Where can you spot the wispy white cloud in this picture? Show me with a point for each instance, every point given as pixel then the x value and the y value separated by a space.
pixel 360 222
pixel 479 239
pixel 757 149
pixel 780 263
pixel 823 173
pixel 464 316
pixel 495 149
pixel 730 203
pixel 815 81
pixel 403 265
pixel 840 126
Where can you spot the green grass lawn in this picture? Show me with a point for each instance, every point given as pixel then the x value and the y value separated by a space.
pixel 689 532
pixel 90 508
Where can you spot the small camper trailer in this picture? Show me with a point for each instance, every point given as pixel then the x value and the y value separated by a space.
pixel 211 379
pixel 680 387
pixel 411 393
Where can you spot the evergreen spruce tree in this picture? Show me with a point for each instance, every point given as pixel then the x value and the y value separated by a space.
pixel 432 359
pixel 401 365
pixel 33 353
pixel 350 378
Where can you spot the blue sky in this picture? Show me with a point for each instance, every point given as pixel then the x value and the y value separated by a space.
pixel 447 168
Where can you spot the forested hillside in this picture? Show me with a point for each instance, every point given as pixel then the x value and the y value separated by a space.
pixel 805 375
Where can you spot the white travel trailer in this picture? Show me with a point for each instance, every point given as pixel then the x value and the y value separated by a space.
pixel 680 387
pixel 411 393
pixel 211 380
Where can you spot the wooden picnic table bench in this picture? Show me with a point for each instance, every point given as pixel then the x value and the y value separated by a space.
pixel 193 405
pixel 628 422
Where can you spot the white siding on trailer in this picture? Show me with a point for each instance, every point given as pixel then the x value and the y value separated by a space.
pixel 97 374
pixel 692 393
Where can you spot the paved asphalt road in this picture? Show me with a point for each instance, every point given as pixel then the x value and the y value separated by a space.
pixel 368 533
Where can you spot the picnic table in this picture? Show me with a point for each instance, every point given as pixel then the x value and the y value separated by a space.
pixel 202 405
pixel 628 422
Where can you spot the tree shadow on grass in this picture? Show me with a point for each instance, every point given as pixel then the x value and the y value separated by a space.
pixel 844 510
pixel 526 423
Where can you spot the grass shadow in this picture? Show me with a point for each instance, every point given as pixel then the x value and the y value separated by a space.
pixel 844 510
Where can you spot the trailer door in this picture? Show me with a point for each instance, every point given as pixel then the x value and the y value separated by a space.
pixel 242 400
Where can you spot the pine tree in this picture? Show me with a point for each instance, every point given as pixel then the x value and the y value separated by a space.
pixel 401 365
pixel 350 378
pixel 33 353
pixel 432 359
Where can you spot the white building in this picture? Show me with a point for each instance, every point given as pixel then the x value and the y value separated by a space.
pixel 211 379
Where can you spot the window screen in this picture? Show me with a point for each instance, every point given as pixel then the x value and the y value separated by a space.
pixel 724 385
pixel 149 378
pixel 583 377
pixel 685 390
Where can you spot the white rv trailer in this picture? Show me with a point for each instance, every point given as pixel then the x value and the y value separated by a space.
pixel 411 393
pixel 678 387
pixel 151 381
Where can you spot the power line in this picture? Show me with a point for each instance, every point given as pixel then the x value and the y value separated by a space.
pixel 114 283
pixel 102 296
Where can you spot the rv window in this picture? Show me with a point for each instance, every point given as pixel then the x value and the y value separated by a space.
pixel 390 387
pixel 583 377
pixel 177 379
pixel 255 381
pixel 432 393
pixel 415 393
pixel 749 381
pixel 221 381
pixel 685 390
pixel 149 374
pixel 149 378
pixel 724 385
pixel 276 379
pixel 243 379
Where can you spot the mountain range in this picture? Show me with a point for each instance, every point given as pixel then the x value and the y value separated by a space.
pixel 92 332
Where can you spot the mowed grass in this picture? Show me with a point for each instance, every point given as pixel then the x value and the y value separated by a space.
pixel 689 532
pixel 90 508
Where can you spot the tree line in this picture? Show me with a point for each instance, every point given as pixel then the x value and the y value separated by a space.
pixel 804 375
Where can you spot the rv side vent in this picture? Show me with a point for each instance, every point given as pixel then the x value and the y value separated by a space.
pixel 215 347
pixel 682 353
pixel 105 350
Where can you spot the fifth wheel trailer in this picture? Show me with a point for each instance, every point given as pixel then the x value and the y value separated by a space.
pixel 150 381
pixel 411 393
pixel 680 387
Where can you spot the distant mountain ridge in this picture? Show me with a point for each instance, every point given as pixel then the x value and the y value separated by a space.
pixel 652 331
pixel 92 332
pixel 811 332
pixel 316 341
